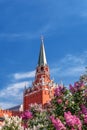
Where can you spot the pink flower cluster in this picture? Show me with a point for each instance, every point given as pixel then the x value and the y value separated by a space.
pixel 26 115
pixel 59 101
pixel 77 86
pixel 84 111
pixel 57 123
pixel 85 95
pixel 85 119
pixel 72 121
pixel 59 90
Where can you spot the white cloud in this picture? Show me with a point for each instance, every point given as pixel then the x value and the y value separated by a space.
pixel 70 66
pixel 72 71
pixel 68 72
pixel 18 76
pixel 17 35
pixel 28 35
pixel 75 59
pixel 13 90
pixel 13 94
pixel 5 105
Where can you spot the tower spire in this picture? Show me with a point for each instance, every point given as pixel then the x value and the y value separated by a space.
pixel 42 56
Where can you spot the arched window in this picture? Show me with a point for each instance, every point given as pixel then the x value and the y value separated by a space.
pixel 42 68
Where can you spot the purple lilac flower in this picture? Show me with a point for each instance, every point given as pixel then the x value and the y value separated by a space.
pixel 72 120
pixel 72 90
pixel 86 91
pixel 77 86
pixel 84 109
pixel 85 94
pixel 57 123
pixel 26 115
pixel 59 101
pixel 59 90
pixel 85 119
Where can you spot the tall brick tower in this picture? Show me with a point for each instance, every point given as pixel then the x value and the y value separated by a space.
pixel 42 89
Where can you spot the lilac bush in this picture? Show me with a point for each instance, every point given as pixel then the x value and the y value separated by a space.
pixel 66 111
pixel 69 107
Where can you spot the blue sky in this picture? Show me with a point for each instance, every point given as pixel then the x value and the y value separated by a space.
pixel 63 24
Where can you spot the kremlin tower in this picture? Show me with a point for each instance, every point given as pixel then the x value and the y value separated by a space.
pixel 42 90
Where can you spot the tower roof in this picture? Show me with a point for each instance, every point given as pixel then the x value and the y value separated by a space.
pixel 42 56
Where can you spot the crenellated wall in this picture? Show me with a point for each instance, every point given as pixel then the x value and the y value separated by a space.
pixel 9 113
pixel 2 112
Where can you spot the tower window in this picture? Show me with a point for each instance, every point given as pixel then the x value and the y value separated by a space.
pixel 42 68
pixel 46 69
